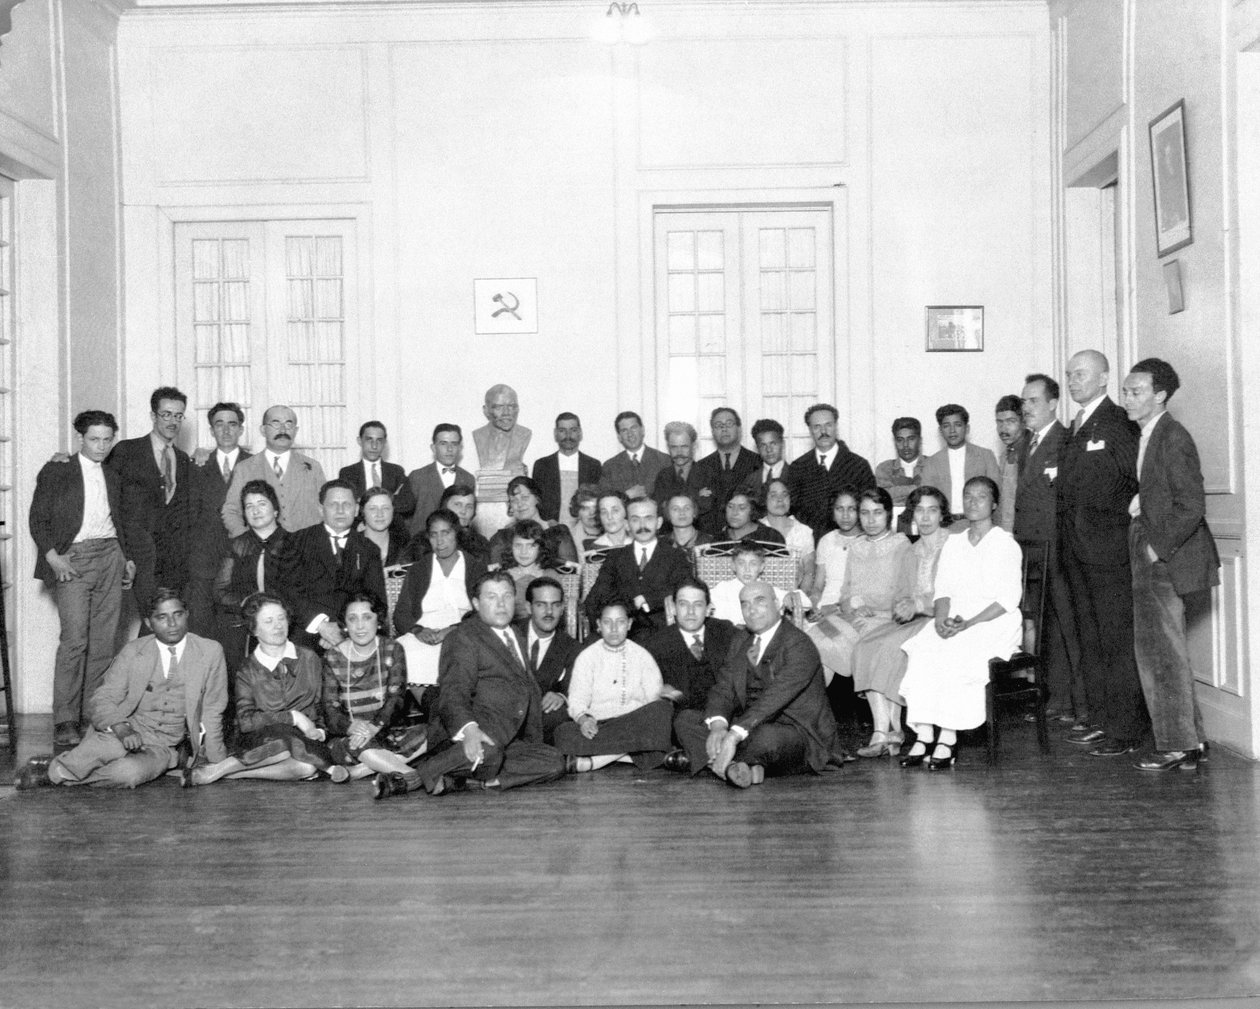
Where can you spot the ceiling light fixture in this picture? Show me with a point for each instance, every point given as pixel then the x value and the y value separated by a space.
pixel 622 22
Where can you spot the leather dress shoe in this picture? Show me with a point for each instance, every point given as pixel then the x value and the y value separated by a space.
pixel 264 751
pixel 385 785
pixel 1087 737
pixel 743 775
pixel 66 734
pixel 34 773
pixel 1203 753
pixel 1113 748
pixel 1187 760
pixel 677 760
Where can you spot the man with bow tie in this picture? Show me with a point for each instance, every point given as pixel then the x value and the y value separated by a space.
pixel 767 713
pixel 325 564
pixel 428 482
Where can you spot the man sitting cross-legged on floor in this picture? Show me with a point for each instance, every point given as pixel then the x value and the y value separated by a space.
pixel 159 692
pixel 619 704
pixel 488 702
pixel 768 712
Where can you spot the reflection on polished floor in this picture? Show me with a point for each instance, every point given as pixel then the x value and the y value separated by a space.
pixel 1065 878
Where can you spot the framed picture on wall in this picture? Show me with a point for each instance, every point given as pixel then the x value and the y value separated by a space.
pixel 1172 180
pixel 955 327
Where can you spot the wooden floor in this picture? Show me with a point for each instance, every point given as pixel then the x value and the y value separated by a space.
pixel 1068 878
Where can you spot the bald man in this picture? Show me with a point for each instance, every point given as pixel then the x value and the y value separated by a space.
pixel 501 446
pixel 1096 484
pixel 296 478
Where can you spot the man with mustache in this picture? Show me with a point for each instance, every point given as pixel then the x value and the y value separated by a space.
pixel 297 478
pixel 560 474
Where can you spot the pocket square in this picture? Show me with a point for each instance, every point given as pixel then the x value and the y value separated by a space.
pixel 1051 473
pixel 1095 446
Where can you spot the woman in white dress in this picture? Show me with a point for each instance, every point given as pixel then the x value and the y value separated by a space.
pixel 975 617
pixel 832 556
pixel 796 534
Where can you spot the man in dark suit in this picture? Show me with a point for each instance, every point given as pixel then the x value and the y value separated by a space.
pixel 768 711
pixel 767 435
pixel 1036 520
pixel 324 564
pixel 428 482
pixel 489 707
pixel 157 504
pixel 81 556
pixel 1174 561
pixel 1097 481
pixel 640 574
pixel 684 475
pixel 211 476
pixel 373 471
pixel 1008 416
pixel 632 472
pixel 164 692
pixel 549 649
pixel 691 652
pixel 815 477
pixel 727 467
pixel 560 474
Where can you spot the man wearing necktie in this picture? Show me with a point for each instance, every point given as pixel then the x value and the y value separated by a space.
pixel 211 476
pixel 727 467
pixel 767 713
pixel 488 733
pixel 163 694
pixel 684 475
pixel 634 471
pixel 372 470
pixel 324 564
pixel 815 477
pixel 428 482
pixel 550 649
pixel 157 506
pixel 296 477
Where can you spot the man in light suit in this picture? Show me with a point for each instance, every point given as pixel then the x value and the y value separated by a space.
pixel 489 707
pixel 428 482
pixel 1174 562
pixel 1096 484
pixel 163 696
pixel 156 501
pixel 903 473
pixel 815 477
pixel 768 711
pixel 1036 520
pixel 75 520
pixel 641 574
pixel 296 478
pixel 373 471
pixel 950 468
pixel 560 474
pixel 632 472
pixel 325 563
pixel 212 475
pixel 727 467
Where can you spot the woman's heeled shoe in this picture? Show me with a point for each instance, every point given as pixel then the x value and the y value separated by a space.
pixel 877 747
pixel 941 763
pixel 913 759
pixel 895 741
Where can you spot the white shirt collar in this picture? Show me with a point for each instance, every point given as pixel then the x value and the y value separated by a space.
pixel 1091 406
pixel 283 457
pixel 271 661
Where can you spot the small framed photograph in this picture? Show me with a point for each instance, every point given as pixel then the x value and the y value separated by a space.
pixel 1171 179
pixel 506 305
pixel 955 327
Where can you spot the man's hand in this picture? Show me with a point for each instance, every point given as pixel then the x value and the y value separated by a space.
pixel 306 726
pixel 60 563
pixel 638 490
pixel 129 574
pixel 201 456
pixel 552 701
pixel 59 457
pixel 128 736
pixel 474 744
pixel 588 726
pixel 725 752
pixel 641 603
pixel 433 635
pixel 330 634
pixel 713 744
pixel 669 693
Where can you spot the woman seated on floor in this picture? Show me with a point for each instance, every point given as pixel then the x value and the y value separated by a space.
pixel 584 527
pixel 251 565
pixel 618 701
pixel 435 597
pixel 872 580
pixel 975 618
pixel 796 534
pixel 376 514
pixel 365 693
pixel 531 553
pixel 279 706
pixel 878 661
pixel 743 522
pixel 523 497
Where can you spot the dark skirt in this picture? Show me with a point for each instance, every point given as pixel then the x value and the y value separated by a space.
pixel 309 751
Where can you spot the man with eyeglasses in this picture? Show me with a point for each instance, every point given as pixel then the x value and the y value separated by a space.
pixel 296 478
pixel 156 498
pixel 728 466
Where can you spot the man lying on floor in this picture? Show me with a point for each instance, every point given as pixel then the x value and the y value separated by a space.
pixel 160 692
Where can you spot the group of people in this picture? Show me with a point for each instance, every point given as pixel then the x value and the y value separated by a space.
pixel 271 652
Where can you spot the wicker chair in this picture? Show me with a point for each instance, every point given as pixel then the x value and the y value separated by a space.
pixel 714 564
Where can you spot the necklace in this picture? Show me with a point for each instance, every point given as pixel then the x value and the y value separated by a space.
pixel 356 654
